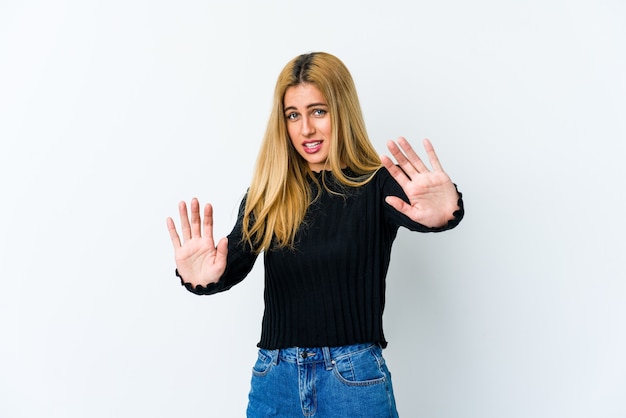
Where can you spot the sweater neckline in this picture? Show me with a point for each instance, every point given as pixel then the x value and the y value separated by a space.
pixel 329 172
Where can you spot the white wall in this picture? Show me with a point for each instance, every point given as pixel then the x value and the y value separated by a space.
pixel 113 111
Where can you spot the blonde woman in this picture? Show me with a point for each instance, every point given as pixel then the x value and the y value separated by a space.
pixel 324 210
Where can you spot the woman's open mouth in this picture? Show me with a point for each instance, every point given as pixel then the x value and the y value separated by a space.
pixel 311 147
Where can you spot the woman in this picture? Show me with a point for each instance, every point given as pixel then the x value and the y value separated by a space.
pixel 324 212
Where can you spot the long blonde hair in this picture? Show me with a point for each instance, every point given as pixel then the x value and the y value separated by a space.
pixel 279 194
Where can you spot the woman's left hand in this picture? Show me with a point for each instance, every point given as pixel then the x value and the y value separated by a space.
pixel 432 195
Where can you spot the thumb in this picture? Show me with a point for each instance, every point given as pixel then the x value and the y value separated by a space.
pixel 397 203
pixel 219 262
pixel 222 251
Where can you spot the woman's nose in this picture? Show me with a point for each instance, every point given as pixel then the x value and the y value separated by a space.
pixel 308 128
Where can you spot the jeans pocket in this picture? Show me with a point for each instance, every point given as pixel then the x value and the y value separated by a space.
pixel 361 368
pixel 263 363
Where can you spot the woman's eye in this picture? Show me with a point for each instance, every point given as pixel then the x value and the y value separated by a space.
pixel 319 112
pixel 292 116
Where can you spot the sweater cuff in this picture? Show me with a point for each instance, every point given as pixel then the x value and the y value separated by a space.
pixel 209 289
pixel 460 212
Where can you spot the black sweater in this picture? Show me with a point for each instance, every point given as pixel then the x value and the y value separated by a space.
pixel 330 289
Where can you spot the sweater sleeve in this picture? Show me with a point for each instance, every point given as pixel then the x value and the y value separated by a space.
pixel 239 261
pixel 390 187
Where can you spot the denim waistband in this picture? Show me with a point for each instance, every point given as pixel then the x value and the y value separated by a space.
pixel 306 355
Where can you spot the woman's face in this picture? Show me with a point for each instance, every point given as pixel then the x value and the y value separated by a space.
pixel 308 124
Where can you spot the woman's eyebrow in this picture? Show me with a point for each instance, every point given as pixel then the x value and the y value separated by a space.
pixel 316 104
pixel 308 106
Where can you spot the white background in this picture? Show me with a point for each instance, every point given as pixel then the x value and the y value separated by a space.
pixel 113 111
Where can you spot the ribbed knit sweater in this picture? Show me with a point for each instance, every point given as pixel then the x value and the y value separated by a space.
pixel 330 289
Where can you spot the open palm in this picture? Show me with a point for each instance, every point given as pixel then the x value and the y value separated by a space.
pixel 198 260
pixel 432 195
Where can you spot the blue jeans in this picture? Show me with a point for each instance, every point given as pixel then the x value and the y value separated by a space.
pixel 350 381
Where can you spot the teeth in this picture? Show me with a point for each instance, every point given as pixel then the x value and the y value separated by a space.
pixel 312 144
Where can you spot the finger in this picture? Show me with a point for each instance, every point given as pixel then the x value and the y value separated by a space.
pixel 432 155
pixel 401 159
pixel 398 204
pixel 220 257
pixel 207 222
pixel 184 221
pixel 395 171
pixel 196 231
pixel 416 161
pixel 173 233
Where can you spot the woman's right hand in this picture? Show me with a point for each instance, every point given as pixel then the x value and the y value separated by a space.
pixel 198 260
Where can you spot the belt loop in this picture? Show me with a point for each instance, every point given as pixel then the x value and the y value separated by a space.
pixel 276 356
pixel 328 362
